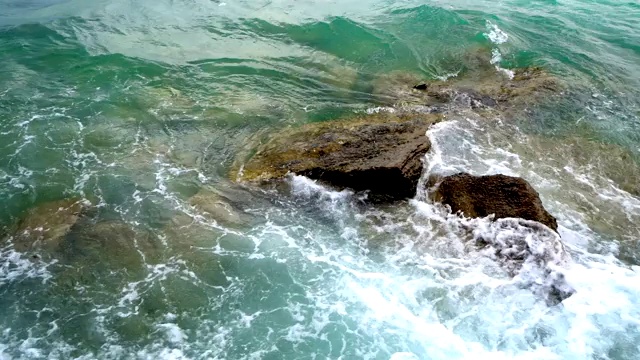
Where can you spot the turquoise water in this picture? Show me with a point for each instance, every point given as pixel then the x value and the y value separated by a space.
pixel 138 111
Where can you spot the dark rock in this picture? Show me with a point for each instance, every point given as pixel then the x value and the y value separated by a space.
pixel 481 196
pixel 421 87
pixel 379 152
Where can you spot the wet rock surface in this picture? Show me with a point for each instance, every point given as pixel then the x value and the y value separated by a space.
pixel 501 195
pixel 380 152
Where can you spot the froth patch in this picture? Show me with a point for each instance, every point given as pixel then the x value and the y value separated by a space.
pixel 15 266
pixel 495 34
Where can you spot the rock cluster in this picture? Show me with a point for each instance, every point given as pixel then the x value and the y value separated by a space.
pixel 383 153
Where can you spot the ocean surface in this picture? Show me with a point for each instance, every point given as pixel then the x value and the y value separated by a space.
pixel 135 111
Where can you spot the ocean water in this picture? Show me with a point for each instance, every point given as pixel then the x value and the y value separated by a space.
pixel 134 112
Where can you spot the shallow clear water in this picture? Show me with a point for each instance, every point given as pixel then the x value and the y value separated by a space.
pixel 140 108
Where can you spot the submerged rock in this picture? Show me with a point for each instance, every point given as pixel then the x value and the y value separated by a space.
pixel 584 154
pixel 214 206
pixel 380 152
pixel 113 243
pixel 481 89
pixel 529 252
pixel 66 230
pixel 44 226
pixel 501 195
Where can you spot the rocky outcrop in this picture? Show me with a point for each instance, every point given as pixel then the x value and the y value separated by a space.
pixel 380 152
pixel 501 195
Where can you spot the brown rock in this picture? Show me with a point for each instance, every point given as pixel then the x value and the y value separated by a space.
pixel 380 152
pixel 504 196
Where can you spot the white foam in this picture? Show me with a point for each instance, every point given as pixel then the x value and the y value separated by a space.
pixel 15 266
pixel 448 76
pixel 495 34
pixel 381 109
pixel 496 58
pixel 404 356
pixel 305 187
pixel 3 354
pixel 498 37
pixel 163 354
pixel 173 332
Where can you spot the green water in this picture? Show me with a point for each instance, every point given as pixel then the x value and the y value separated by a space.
pixel 135 107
